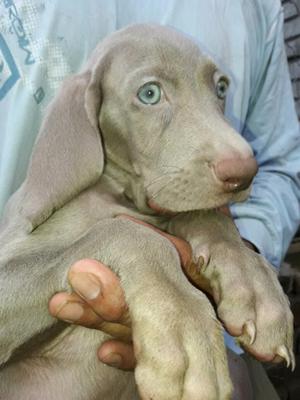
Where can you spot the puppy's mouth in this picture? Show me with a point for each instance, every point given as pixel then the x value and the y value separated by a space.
pixel 187 192
pixel 221 200
pixel 168 213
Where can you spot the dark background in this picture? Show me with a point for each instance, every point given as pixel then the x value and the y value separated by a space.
pixel 287 383
pixel 292 41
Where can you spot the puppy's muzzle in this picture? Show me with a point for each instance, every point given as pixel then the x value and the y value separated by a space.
pixel 235 174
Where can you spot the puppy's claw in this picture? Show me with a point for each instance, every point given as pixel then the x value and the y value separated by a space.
pixel 284 353
pixel 293 362
pixel 201 263
pixel 250 330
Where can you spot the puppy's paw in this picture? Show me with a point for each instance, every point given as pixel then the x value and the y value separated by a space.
pixel 180 351
pixel 250 301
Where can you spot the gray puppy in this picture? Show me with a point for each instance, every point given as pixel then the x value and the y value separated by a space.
pixel 141 131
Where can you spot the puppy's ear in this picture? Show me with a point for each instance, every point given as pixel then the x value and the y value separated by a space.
pixel 68 155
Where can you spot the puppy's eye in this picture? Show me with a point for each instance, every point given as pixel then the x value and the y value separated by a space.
pixel 221 87
pixel 150 93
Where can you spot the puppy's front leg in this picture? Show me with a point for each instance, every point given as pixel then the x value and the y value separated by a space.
pixel 178 342
pixel 31 271
pixel 249 298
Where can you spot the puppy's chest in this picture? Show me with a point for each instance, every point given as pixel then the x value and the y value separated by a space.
pixel 100 202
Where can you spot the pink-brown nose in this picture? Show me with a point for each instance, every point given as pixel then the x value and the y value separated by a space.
pixel 236 173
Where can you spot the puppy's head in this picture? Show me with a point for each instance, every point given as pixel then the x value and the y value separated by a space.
pixel 155 103
pixel 163 126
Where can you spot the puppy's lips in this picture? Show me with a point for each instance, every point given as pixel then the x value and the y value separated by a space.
pixel 160 210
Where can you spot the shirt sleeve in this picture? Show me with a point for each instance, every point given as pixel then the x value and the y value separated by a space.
pixel 270 217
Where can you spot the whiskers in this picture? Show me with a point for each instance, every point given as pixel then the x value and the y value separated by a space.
pixel 162 181
pixel 173 168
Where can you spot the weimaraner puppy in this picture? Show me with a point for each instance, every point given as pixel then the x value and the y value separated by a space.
pixel 141 131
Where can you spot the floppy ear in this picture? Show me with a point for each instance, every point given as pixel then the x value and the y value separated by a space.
pixel 68 155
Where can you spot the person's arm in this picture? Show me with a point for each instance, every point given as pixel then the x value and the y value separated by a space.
pixel 270 217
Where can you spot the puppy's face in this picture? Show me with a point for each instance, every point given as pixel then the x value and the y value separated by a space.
pixel 163 126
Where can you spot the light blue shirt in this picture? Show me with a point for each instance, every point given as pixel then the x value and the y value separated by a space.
pixel 41 42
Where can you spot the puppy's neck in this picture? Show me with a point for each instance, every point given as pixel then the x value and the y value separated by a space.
pixel 118 175
pixel 127 182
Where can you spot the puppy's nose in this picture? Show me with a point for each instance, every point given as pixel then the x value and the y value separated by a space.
pixel 236 173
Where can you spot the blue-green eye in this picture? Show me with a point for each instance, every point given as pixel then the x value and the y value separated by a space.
pixel 221 88
pixel 150 93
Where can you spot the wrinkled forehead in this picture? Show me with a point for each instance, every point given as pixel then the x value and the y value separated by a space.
pixel 159 51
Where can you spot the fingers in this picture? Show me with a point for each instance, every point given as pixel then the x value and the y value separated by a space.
pixel 99 287
pixel 117 354
pixel 97 302
pixel 71 308
pixel 97 296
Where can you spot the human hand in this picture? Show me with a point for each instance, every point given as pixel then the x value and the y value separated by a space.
pixel 98 302
pixel 104 306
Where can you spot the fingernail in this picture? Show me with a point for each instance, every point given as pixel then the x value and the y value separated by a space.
pixel 70 312
pixel 86 285
pixel 113 359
